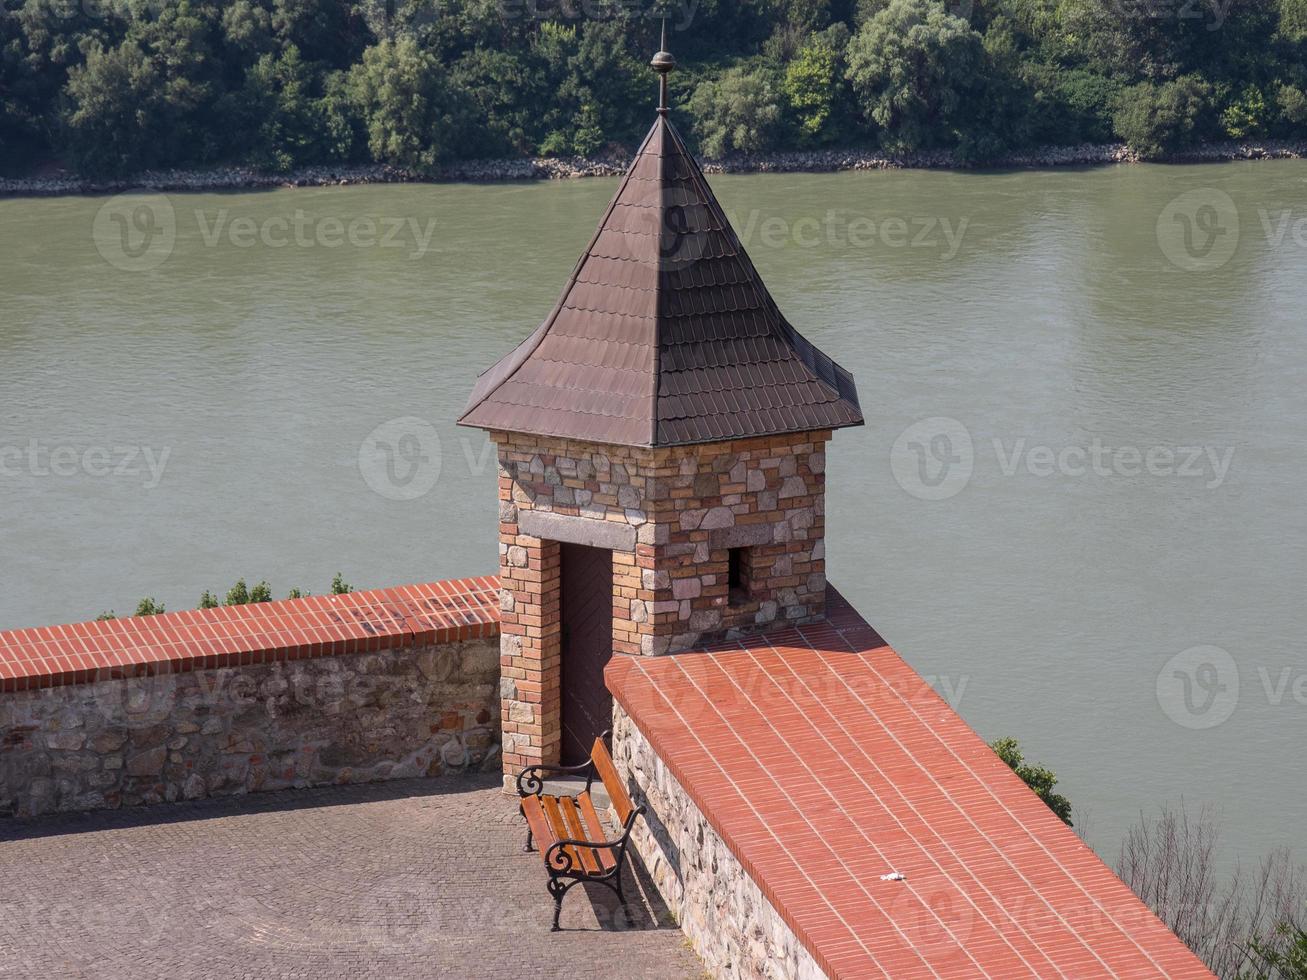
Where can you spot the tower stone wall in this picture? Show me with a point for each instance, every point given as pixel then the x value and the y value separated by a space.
pixel 707 540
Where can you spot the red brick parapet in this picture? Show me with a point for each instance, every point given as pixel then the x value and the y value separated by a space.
pixel 257 633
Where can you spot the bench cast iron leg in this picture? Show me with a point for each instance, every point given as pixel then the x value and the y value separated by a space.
pixel 558 888
pixel 528 829
pixel 621 897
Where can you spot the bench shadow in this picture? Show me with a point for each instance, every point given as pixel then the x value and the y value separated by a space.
pixel 310 798
pixel 646 907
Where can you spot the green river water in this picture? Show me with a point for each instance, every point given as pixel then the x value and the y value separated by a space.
pixel 1077 504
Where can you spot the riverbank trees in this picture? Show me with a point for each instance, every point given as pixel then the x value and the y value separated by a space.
pixel 113 86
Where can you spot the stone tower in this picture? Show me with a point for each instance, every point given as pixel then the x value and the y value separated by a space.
pixel 661 443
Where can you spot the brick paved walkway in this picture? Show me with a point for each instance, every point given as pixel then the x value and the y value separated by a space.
pixel 416 878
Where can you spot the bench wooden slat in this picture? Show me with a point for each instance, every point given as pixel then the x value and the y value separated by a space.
pixel 574 830
pixel 595 829
pixel 612 781
pixel 554 819
pixel 535 819
pixel 559 827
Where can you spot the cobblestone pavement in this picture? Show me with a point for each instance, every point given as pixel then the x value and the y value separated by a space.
pixel 414 878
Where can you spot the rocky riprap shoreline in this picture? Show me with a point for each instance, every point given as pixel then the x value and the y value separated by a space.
pixel 548 168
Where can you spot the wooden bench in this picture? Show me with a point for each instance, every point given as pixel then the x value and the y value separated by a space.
pixel 568 828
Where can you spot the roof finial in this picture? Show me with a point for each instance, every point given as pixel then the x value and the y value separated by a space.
pixel 663 63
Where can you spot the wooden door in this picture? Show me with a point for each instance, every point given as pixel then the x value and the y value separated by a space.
pixel 586 606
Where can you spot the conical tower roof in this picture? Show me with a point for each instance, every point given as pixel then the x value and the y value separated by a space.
pixel 664 335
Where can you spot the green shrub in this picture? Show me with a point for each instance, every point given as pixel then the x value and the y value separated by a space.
pixel 238 594
pixel 118 109
pixel 1039 779
pixel 1248 116
pixel 241 594
pixel 1293 20
pixel 1282 956
pixel 813 86
pixel 1155 120
pixel 286 123
pixel 1087 101
pixel 149 607
pixel 1291 107
pixel 915 71
pixel 737 112
pixel 399 90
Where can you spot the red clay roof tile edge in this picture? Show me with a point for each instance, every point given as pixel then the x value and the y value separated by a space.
pixel 288 629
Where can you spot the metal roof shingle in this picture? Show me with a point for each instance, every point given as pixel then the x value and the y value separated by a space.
pixel 666 290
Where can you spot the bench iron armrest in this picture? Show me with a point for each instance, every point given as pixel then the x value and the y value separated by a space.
pixel 559 861
pixel 530 781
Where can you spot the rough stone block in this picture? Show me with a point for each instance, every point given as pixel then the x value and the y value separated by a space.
pixel 577 530
pixel 521 712
pixel 655 578
pixel 717 517
pixel 147 763
pixel 691 519
pixel 703 620
pixel 65 741
pixel 687 588
pixel 793 486
pixel 741 536
pixel 478 660
pixel 654 646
